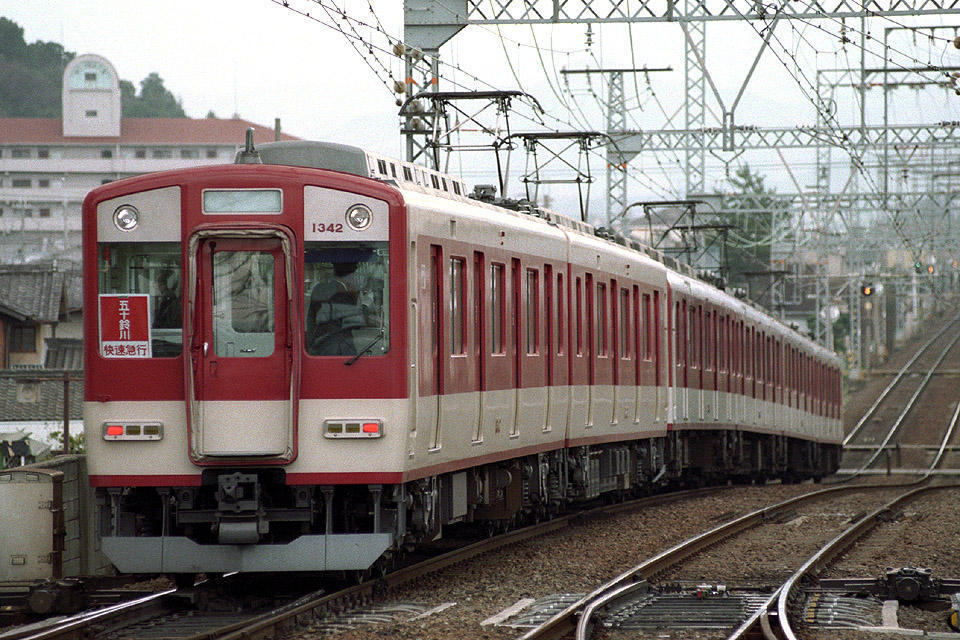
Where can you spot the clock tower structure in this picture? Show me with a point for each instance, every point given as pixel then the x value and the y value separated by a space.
pixel 91 98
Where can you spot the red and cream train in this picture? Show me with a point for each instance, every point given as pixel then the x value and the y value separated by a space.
pixel 311 363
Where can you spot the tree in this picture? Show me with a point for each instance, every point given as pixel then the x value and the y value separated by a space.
pixel 755 213
pixel 31 75
pixel 154 101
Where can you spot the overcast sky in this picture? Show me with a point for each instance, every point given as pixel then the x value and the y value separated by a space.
pixel 262 61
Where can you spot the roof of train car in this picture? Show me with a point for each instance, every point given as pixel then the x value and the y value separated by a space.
pixel 354 160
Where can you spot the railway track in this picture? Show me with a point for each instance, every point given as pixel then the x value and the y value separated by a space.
pixel 903 431
pixel 776 614
pixel 580 617
pixel 181 614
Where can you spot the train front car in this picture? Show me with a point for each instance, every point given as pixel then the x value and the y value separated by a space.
pixel 245 368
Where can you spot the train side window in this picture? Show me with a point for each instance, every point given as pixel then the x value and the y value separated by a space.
pixel 708 340
pixel 407 174
pixel 647 333
pixel 623 335
pixel 457 316
pixel 479 312
pixel 382 166
pixel 456 188
pixel 496 307
pixel 436 183
pixel 601 319
pixel 393 170
pixel 561 327
pixel 694 338
pixel 347 298
pixel 678 330
pixel 152 268
pixel 579 312
pixel 533 311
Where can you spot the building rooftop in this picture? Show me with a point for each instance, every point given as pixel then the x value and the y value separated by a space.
pixel 35 291
pixel 133 131
pixel 37 395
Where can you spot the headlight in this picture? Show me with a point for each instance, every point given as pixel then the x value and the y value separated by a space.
pixel 359 217
pixel 126 217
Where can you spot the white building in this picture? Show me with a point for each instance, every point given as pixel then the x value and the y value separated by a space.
pixel 48 165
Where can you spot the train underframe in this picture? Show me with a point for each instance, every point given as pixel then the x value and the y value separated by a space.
pixel 251 520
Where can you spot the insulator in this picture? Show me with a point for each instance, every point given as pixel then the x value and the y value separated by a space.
pixel 956 42
pixel 399 87
pixel 415 107
pixel 399 49
pixel 417 124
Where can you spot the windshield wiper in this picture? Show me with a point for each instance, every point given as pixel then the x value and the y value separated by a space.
pixel 366 349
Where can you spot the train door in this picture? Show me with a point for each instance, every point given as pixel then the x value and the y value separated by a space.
pixel 579 362
pixel 558 344
pixel 682 382
pixel 590 340
pixel 430 331
pixel 656 346
pixel 641 338
pixel 459 401
pixel 722 351
pixel 516 344
pixel 242 398
pixel 479 329
pixel 625 354
pixel 531 390
pixel 498 407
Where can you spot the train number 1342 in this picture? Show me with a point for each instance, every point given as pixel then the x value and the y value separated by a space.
pixel 323 227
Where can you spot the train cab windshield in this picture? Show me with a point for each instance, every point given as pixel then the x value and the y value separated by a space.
pixel 347 298
pixel 152 268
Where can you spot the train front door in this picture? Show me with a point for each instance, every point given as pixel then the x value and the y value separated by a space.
pixel 241 348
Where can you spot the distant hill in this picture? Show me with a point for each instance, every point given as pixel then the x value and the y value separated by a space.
pixel 31 78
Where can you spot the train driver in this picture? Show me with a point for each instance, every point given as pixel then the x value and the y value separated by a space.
pixel 336 309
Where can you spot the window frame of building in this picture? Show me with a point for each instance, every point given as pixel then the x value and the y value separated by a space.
pixel 21 183
pixel 18 338
pixel 90 113
pixel 140 154
pixel 20 152
pixel 189 154
pixel 43 152
pixel 106 153
pixel 162 153
pixel 44 212
pixel 43 183
pixel 212 153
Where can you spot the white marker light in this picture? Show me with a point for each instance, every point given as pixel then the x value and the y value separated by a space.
pixel 126 217
pixel 359 217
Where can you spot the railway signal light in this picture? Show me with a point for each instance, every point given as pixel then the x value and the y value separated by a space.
pixel 918 267
pixel 866 289
pixel 930 269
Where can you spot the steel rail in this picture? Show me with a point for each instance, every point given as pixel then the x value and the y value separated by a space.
pixel 762 614
pixel 267 623
pixel 78 627
pixel 883 394
pixel 946 438
pixel 908 407
pixel 835 547
pixel 574 617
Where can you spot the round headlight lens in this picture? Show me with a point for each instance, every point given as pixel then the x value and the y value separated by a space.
pixel 126 217
pixel 359 217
